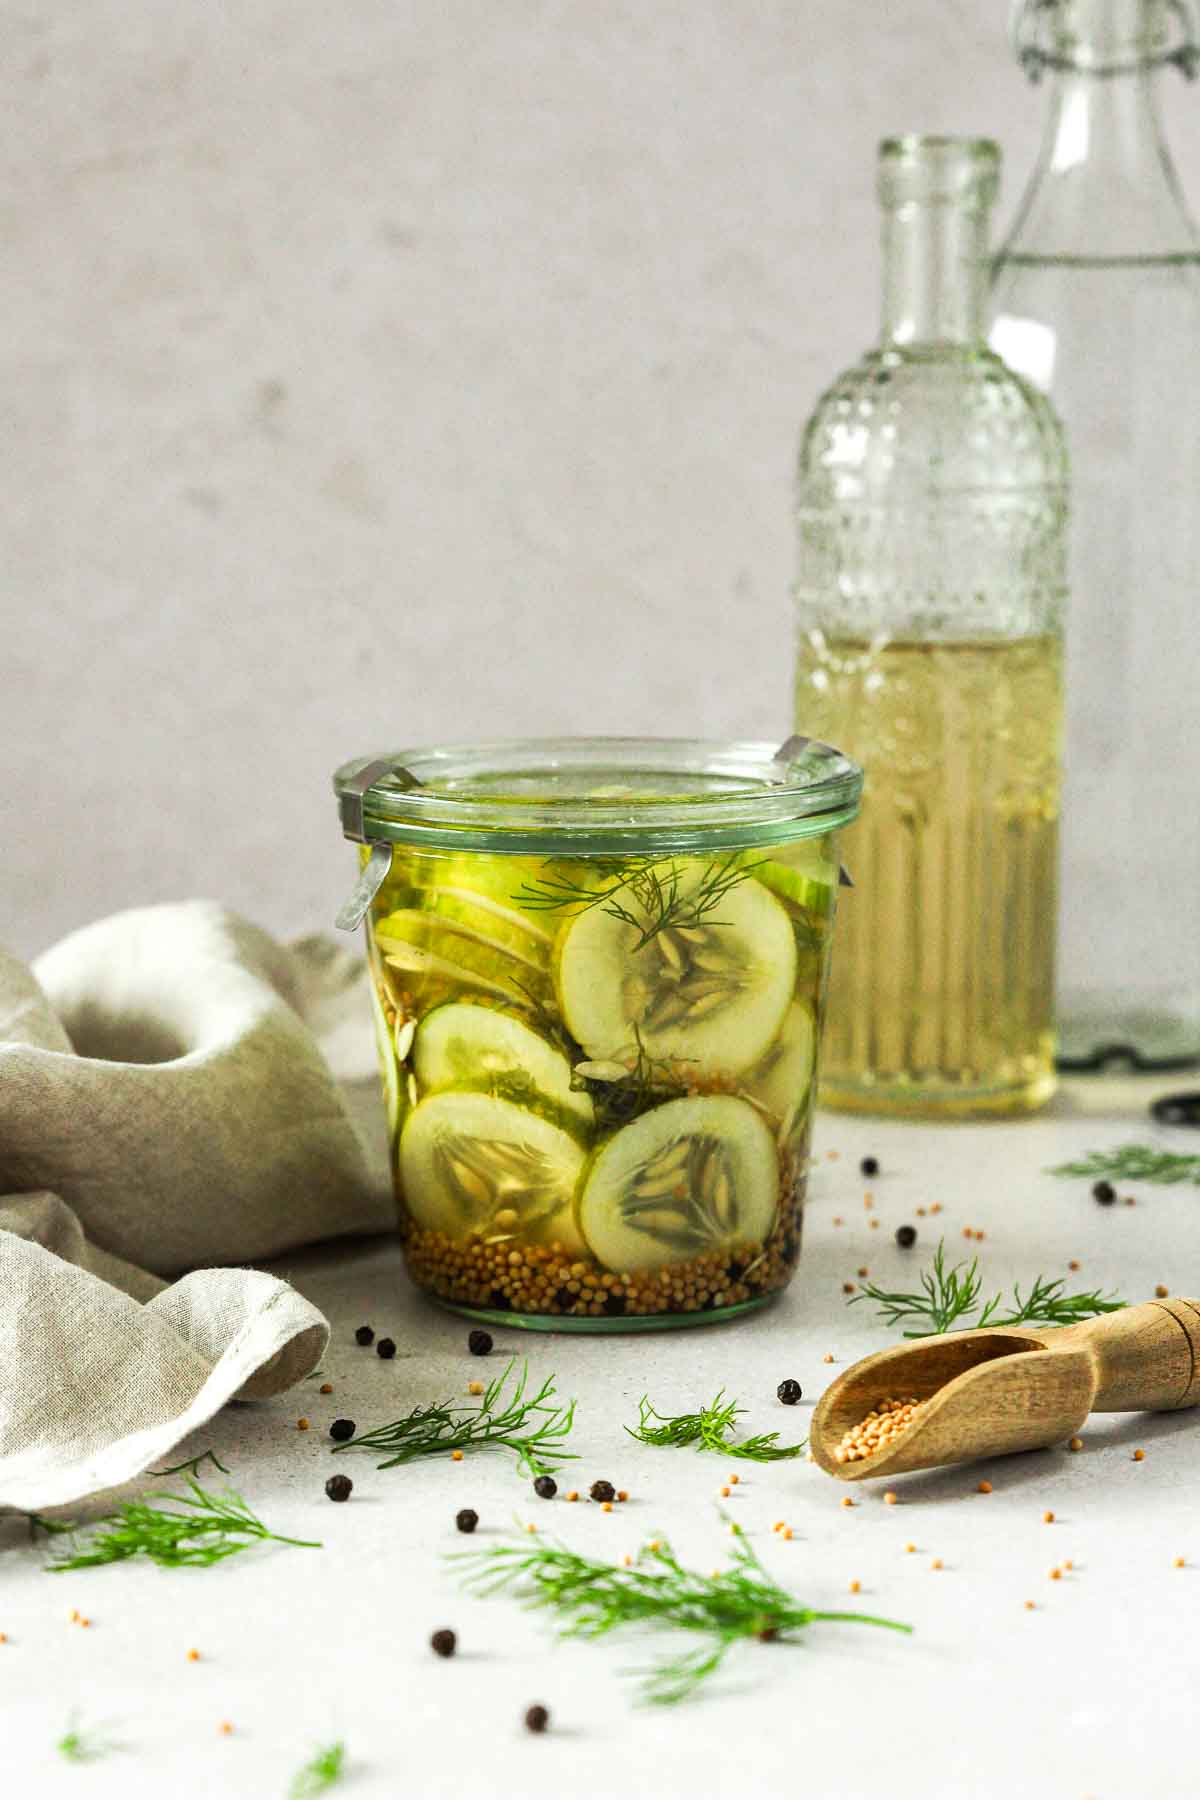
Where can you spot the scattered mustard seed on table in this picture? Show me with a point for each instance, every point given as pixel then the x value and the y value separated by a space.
pixel 985 1487
pixel 1139 1456
pixel 301 1424
pixel 909 1548
pixel 846 1500
pixel 1076 1443
pixel 1047 1518
pixel 193 1656
pixel 1180 1562
pixel 786 1534
pixel 326 1387
pixel 1056 1574
pixel 889 1499
pixel 856 1587
pixel 1161 1292
pixel 225 1728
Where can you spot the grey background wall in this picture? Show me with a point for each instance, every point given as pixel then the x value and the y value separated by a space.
pixel 415 369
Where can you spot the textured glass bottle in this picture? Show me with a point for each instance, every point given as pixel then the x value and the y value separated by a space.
pixel 1097 300
pixel 932 516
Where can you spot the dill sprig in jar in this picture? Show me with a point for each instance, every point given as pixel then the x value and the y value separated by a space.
pixel 598 972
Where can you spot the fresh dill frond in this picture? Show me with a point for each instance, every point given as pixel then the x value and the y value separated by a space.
pixel 192 1465
pixel 648 1082
pixel 1136 1162
pixel 324 1768
pixel 78 1744
pixel 530 1425
pixel 709 1429
pixel 49 1527
pixel 948 1296
pixel 652 883
pixel 200 1529
pixel 592 1598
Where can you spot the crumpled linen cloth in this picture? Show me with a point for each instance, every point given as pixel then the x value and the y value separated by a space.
pixel 167 1102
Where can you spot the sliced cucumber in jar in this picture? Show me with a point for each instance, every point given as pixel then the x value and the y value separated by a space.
pixel 782 1080
pixel 470 1163
pixel 465 1045
pixel 712 994
pixel 385 1045
pixel 692 1176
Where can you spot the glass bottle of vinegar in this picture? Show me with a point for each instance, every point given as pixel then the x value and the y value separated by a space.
pixel 1097 301
pixel 929 598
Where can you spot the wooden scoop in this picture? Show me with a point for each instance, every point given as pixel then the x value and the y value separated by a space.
pixel 986 1393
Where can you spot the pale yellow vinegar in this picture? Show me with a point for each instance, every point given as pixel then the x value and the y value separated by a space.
pixel 941 1000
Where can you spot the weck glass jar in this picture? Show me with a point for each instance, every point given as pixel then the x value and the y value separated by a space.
pixel 598 972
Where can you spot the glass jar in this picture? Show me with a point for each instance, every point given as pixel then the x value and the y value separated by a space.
pixel 598 972
pixel 1097 301
pixel 929 600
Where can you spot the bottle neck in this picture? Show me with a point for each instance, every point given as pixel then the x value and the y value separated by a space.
pixel 935 274
pixel 1104 185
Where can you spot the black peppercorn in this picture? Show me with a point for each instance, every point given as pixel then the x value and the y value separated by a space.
pixel 364 1335
pixel 537 1719
pixel 467 1519
pixel 906 1236
pixel 386 1347
pixel 789 1391
pixel 479 1343
pixel 545 1487
pixel 339 1487
pixel 603 1490
pixel 869 1165
pixel 341 1429
pixel 1104 1192
pixel 443 1643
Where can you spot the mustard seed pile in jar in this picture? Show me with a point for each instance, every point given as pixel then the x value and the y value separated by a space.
pixel 879 1429
pixel 599 1068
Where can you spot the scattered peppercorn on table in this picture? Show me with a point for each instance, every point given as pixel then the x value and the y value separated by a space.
pixel 1037 1586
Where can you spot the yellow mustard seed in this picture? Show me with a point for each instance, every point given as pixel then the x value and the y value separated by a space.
pixel 936 1563
pixel 1068 1564
pixel 1029 1605
pixel 847 1501
pixel 936 1207
pixel 1162 1291
pixel 301 1424
pixel 828 1357
pixel 456 1456
pixel 733 1480
pixel 574 1494
pixel 909 1548
pixel 225 1728
pixel 1180 1562
pixel 985 1487
pixel 1047 1518
pixel 622 1493
pixel 327 1387
pixel 787 1534
pixel 606 1506
pixel 1074 1265
pixel 847 1287
pixel 889 1499
pixel 474 1387
pixel 1076 1443
pixel 725 1493
pixel 874 1224
pixel 1056 1574
pixel 856 1587
pixel 1139 1456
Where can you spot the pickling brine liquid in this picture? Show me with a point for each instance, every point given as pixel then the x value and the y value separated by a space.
pixel 941 999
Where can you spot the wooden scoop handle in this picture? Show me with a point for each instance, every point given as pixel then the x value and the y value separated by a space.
pixel 1146 1358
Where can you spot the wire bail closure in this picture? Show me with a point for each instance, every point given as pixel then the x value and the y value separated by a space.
pixel 374 872
pixel 1026 35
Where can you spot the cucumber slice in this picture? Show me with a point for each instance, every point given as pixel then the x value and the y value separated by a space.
pixel 690 1177
pixel 712 995
pixel 472 1163
pixel 782 1080
pixel 388 1073
pixel 461 1045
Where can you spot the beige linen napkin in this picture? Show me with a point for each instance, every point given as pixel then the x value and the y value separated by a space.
pixel 165 1104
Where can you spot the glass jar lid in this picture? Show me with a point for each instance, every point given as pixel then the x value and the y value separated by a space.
pixel 598 796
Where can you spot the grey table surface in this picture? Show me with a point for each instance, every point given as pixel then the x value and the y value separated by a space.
pixel 1089 1694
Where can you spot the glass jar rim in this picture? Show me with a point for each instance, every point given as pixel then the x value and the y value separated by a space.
pixel 701 794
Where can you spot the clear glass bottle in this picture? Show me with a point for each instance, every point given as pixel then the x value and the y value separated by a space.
pixel 1097 300
pixel 932 525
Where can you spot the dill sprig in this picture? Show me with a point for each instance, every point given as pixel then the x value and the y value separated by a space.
pixel 1136 1162
pixel 654 883
pixel 529 1425
pixel 200 1529
pixel 325 1767
pixel 947 1296
pixel 593 1598
pixel 192 1465
pixel 648 1082
pixel 709 1429
pixel 80 1745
